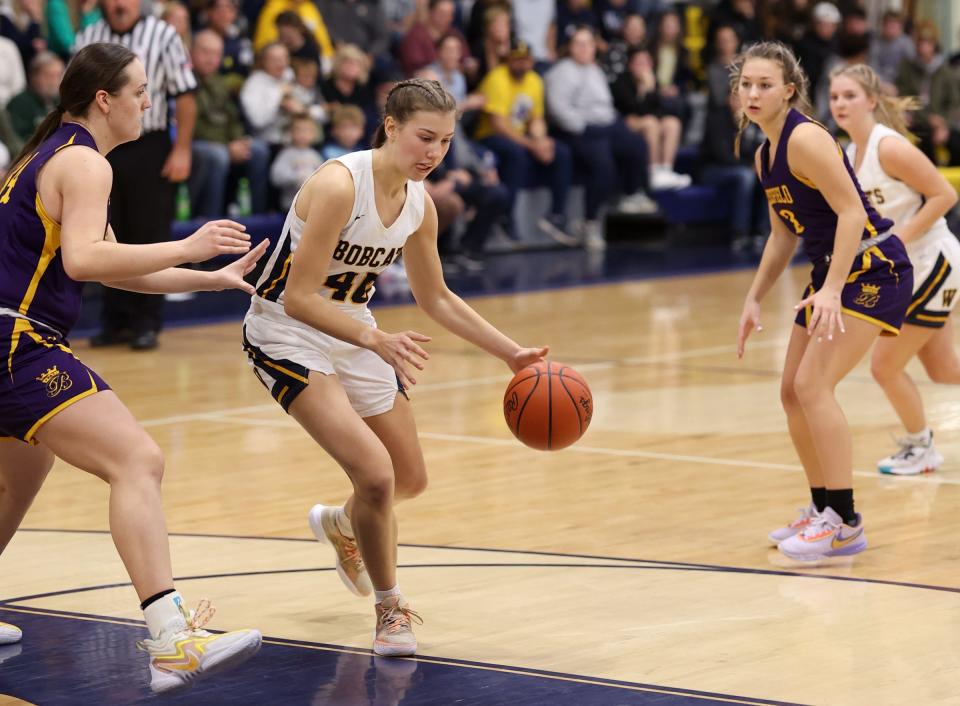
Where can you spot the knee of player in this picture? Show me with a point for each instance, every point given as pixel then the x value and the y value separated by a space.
pixel 145 463
pixel 810 389
pixel 376 488
pixel 410 485
pixel 788 395
pixel 881 370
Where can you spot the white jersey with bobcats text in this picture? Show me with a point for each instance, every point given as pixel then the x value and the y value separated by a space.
pixel 365 249
pixel 891 197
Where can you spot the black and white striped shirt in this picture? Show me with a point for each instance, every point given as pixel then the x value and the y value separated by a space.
pixel 159 47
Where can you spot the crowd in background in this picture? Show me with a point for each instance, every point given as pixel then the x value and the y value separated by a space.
pixel 554 93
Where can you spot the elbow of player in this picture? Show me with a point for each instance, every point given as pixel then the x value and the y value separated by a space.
pixel 293 306
pixel 952 197
pixel 78 270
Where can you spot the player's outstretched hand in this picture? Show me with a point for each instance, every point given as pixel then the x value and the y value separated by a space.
pixel 401 350
pixel 221 237
pixel 749 320
pixel 527 356
pixel 231 276
pixel 827 317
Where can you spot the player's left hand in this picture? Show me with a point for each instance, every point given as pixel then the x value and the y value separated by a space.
pixel 527 356
pixel 231 276
pixel 827 317
pixel 177 166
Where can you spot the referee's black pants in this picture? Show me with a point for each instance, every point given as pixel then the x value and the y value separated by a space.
pixel 141 211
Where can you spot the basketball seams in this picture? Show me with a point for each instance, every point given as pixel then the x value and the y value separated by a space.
pixel 573 400
pixel 517 382
pixel 549 408
pixel 526 400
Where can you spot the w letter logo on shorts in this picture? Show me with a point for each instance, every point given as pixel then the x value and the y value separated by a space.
pixel 948 295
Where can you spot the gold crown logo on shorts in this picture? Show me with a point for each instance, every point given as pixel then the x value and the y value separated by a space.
pixel 869 295
pixel 55 381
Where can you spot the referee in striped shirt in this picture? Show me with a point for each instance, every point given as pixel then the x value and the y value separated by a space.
pixel 145 171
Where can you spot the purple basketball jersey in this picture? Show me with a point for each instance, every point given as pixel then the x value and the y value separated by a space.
pixel 798 202
pixel 32 279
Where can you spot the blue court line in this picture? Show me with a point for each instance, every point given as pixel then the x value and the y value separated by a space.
pixel 720 568
pixel 443 661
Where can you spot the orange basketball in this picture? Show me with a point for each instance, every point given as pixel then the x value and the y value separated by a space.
pixel 548 406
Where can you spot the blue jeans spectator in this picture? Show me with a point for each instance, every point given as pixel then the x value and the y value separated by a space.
pixel 612 156
pixel 748 213
pixel 518 169
pixel 209 172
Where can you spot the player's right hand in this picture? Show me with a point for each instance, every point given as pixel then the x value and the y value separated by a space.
pixel 401 351
pixel 749 320
pixel 221 237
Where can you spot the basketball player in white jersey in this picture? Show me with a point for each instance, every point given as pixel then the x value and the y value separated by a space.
pixel 315 345
pixel 903 185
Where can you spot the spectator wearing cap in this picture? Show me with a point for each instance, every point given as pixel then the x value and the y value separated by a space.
pixel 929 77
pixel 29 108
pixel 513 127
pixel 819 44
pixel 890 47
pixel 581 106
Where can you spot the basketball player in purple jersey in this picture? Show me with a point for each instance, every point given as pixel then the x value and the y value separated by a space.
pixel 54 236
pixel 861 284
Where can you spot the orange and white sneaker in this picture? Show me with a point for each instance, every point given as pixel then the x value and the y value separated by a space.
pixel 798 525
pixel 394 634
pixel 827 535
pixel 350 568
pixel 178 657
pixel 9 634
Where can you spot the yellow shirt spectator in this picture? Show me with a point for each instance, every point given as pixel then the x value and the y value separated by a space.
pixel 520 101
pixel 266 31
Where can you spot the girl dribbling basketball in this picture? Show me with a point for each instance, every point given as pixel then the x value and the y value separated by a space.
pixel 315 345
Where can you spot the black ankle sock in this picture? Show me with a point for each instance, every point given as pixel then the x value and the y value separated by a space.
pixel 155 597
pixel 819 497
pixel 842 503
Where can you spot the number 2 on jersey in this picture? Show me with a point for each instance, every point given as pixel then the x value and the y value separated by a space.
pixel 343 283
pixel 788 215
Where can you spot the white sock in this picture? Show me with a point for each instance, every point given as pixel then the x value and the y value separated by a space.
pixel 380 595
pixel 166 613
pixel 343 523
pixel 922 438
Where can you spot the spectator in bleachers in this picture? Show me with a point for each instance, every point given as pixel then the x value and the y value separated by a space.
pixel 671 63
pixel 306 90
pixel 176 14
pixel 788 20
pixel 296 162
pixel 266 31
pixel 446 70
pixel 929 77
pixel 581 106
pixel 22 22
pixel 741 15
pixel 494 45
pixel 237 62
pixel 29 108
pixel 347 127
pixel 13 78
pixel 297 38
pixel 402 15
pixel 572 14
pixel 64 19
pixel 514 128
pixel 852 48
pixel 349 82
pixel 611 14
pixel 633 36
pixel 819 45
pixel 267 95
pixel 418 48
pixel 890 48
pixel 476 23
pixel 636 97
pixel 219 137
pixel 535 22
pixel 362 23
pixel 734 176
